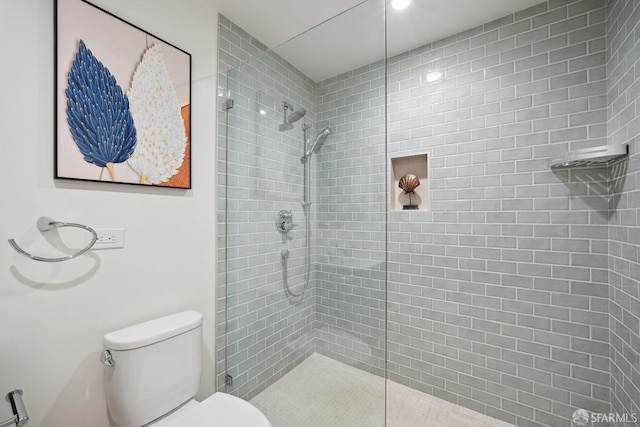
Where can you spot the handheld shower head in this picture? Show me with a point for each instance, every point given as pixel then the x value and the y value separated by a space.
pixel 324 133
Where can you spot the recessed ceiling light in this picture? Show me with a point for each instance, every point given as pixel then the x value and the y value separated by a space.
pixel 400 4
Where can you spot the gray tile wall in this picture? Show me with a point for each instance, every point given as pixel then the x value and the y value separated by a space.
pixel 352 206
pixel 623 53
pixel 498 295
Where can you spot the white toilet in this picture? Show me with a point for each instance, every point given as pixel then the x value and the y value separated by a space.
pixel 153 373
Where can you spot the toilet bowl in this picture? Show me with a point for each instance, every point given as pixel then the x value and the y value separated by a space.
pixel 152 373
pixel 218 410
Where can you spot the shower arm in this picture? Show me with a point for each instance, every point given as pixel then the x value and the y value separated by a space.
pixel 285 107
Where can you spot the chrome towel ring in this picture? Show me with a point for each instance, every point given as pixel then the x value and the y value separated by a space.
pixel 45 224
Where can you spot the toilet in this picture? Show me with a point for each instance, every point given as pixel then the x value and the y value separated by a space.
pixel 152 374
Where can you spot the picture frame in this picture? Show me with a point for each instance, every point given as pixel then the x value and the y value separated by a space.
pixel 122 101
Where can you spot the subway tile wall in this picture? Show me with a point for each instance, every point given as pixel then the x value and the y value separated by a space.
pixel 498 295
pixel 623 53
pixel 352 207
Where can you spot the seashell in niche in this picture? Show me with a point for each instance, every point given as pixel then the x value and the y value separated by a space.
pixel 409 182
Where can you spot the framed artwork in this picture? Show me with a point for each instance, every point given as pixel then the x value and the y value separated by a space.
pixel 123 101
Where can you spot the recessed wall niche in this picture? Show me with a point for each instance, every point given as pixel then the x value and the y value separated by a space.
pixel 417 165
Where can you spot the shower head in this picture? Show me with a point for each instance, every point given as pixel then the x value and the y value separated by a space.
pixel 324 133
pixel 296 115
pixel 289 120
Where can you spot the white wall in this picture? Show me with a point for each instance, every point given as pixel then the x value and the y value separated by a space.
pixel 53 315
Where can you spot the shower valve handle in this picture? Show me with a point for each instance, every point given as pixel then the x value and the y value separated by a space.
pixel 286 226
pixel 284 221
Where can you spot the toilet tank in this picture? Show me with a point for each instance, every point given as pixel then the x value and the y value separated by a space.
pixel 156 367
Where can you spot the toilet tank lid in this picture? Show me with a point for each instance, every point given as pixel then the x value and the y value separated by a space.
pixel 153 331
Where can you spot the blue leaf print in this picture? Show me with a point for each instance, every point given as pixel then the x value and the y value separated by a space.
pixel 98 112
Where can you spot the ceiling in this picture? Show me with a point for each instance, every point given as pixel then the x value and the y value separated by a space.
pixel 331 46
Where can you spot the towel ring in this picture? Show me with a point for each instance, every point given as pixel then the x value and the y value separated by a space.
pixel 45 224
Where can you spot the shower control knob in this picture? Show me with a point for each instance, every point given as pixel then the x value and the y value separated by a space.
pixel 284 221
pixel 285 226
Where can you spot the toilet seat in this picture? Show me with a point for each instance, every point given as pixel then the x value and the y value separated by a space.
pixel 218 410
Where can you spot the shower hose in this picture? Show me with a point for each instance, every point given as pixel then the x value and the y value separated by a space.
pixel 307 260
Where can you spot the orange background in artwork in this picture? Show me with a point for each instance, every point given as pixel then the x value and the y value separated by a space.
pixel 183 178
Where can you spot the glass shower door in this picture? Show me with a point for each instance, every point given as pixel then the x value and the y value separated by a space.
pixel 268 330
pixel 306 226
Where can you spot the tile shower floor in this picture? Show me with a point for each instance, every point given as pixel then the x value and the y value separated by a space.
pixel 321 392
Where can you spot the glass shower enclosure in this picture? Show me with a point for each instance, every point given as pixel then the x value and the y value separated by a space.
pixel 511 293
pixel 303 179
